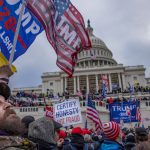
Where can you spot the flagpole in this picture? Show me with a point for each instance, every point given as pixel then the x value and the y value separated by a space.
pixel 17 32
pixel 86 104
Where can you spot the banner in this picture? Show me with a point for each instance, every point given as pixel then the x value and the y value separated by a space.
pixel 30 28
pixel 68 112
pixel 118 111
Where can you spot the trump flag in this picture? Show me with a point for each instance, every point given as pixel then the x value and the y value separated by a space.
pixel 29 29
pixel 65 30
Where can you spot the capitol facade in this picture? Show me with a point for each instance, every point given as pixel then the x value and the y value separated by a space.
pixel 91 65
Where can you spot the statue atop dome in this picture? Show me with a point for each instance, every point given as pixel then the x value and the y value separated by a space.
pixel 89 28
pixel 88 23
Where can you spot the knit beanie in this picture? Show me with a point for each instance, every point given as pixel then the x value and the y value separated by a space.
pixel 27 120
pixel 130 138
pixel 42 129
pixel 111 130
pixel 141 131
pixel 77 130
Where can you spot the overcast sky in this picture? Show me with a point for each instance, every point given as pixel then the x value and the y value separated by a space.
pixel 124 26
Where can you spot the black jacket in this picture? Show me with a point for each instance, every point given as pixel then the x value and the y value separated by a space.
pixel 77 141
pixel 42 145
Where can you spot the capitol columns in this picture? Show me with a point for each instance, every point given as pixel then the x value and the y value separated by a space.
pixel 65 83
pixel 75 87
pixel 87 84
pixel 110 85
pixel 96 79
pixel 119 78
pixel 123 82
pixel 78 83
pixel 62 85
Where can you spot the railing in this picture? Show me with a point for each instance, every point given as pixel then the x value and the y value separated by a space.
pixel 101 106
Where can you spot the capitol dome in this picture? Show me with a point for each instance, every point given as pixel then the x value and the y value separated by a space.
pixel 98 56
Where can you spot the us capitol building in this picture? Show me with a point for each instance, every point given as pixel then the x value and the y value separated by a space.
pixel 91 65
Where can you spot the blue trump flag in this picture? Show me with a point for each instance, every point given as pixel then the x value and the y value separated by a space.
pixel 118 111
pixel 29 29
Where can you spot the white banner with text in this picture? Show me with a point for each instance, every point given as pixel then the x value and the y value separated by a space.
pixel 68 112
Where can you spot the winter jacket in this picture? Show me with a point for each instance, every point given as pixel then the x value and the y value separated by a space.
pixel 145 145
pixel 110 145
pixel 42 145
pixel 16 143
pixel 129 146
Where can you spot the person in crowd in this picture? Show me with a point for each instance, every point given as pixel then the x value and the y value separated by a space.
pixel 26 120
pixel 10 124
pixel 43 132
pixel 142 142
pixel 66 93
pixel 97 139
pixel 130 141
pixel 89 144
pixel 62 139
pixel 77 140
pixel 112 140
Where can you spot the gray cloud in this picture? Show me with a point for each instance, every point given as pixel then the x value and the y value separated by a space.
pixel 123 25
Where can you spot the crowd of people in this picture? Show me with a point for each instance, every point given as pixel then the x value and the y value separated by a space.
pixel 27 101
pixel 83 92
pixel 46 134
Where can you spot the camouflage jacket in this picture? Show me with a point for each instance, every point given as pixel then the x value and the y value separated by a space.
pixel 16 143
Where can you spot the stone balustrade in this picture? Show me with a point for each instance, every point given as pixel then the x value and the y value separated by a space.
pixel 39 111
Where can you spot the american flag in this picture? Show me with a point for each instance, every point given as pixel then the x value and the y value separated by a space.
pixel 104 86
pixel 93 115
pixel 138 114
pixel 65 30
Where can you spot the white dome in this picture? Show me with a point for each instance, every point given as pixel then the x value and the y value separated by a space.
pixel 99 52
pixel 97 41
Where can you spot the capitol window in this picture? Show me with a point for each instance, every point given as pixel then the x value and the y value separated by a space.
pixel 51 83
